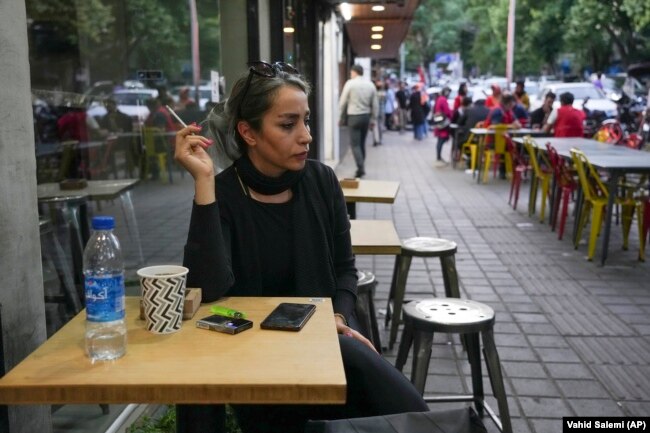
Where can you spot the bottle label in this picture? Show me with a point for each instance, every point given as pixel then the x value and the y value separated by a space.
pixel 104 298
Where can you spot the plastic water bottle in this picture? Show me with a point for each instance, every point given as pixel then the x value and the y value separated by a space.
pixel 103 269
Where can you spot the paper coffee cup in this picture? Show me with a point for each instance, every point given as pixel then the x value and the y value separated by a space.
pixel 163 293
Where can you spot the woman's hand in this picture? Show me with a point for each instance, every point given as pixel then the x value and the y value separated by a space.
pixel 190 152
pixel 344 329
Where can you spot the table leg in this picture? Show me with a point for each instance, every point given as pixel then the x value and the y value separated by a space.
pixel 555 202
pixel 455 149
pixel 532 195
pixel 577 212
pixel 479 159
pixel 132 223
pixel 611 187
pixel 352 209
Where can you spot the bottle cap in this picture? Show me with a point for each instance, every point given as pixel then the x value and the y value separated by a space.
pixel 103 223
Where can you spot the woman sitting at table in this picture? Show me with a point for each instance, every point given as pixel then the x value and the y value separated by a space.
pixel 275 224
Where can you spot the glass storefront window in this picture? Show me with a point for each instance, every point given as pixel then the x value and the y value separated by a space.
pixel 101 73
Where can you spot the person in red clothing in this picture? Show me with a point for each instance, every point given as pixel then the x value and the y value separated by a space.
pixel 458 100
pixel 493 99
pixel 566 121
pixel 442 133
pixel 502 113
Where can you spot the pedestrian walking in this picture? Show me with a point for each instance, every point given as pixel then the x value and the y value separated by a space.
pixel 442 130
pixel 419 105
pixel 359 105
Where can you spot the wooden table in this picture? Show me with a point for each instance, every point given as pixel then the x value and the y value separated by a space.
pixel 370 191
pixel 190 366
pixel 375 237
pixel 615 160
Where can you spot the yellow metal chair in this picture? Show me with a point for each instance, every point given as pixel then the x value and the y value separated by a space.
pixel 471 146
pixel 596 196
pixel 497 151
pixel 543 175
pixel 154 140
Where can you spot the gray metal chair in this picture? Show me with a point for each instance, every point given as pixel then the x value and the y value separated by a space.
pixel 51 251
pixel 423 318
pixel 419 247
pixel 69 212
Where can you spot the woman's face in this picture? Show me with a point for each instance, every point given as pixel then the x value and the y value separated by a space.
pixel 283 141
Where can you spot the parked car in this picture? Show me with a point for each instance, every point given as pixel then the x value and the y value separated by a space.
pixel 597 98
pixel 129 101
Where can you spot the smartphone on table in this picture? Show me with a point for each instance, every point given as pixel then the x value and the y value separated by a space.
pixel 228 325
pixel 288 317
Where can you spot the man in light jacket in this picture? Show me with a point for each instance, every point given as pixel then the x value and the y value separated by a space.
pixel 359 104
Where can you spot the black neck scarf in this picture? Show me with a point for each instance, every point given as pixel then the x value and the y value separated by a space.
pixel 262 183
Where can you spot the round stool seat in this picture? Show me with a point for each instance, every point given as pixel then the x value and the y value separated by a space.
pixel 449 315
pixel 423 246
pixel 366 280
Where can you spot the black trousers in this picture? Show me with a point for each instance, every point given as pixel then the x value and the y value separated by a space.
pixel 358 125
pixel 375 387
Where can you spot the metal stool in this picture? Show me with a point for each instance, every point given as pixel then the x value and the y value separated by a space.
pixel 423 318
pixel 365 308
pixel 419 247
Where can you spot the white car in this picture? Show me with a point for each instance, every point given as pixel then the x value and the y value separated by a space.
pixel 132 102
pixel 597 98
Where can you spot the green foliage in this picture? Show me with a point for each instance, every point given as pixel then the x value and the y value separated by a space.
pixel 114 38
pixel 164 424
pixel 167 423
pixel 594 33
pixel 436 27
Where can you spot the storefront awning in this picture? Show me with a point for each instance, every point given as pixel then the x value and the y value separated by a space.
pixel 395 20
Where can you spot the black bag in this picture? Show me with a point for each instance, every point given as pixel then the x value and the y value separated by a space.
pixel 463 420
pixel 440 121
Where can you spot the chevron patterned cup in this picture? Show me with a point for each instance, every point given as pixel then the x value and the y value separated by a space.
pixel 163 293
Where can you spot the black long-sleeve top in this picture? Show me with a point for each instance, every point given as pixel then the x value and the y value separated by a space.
pixel 226 252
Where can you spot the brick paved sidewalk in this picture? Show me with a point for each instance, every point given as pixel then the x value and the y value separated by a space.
pixel 573 337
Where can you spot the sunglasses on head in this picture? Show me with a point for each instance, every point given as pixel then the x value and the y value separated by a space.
pixel 263 69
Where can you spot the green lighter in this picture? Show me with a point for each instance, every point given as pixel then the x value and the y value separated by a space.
pixel 229 312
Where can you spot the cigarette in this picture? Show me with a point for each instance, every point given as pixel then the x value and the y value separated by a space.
pixel 173 113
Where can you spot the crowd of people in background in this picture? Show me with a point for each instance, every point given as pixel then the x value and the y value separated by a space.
pixel 430 112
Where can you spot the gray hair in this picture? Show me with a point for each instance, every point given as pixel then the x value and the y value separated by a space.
pixel 223 119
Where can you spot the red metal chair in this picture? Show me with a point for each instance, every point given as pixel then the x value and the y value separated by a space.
pixel 521 167
pixel 565 185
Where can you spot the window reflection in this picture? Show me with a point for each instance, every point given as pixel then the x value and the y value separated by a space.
pixel 101 73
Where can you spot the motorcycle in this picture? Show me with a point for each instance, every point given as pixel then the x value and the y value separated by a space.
pixel 593 120
pixel 627 128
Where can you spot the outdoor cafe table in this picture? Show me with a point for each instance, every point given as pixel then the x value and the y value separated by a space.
pixel 370 191
pixel 615 160
pixel 374 237
pixel 482 133
pixel 100 190
pixel 190 366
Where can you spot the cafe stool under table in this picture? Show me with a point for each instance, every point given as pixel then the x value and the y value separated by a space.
pixel 365 308
pixel 419 247
pixel 423 318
